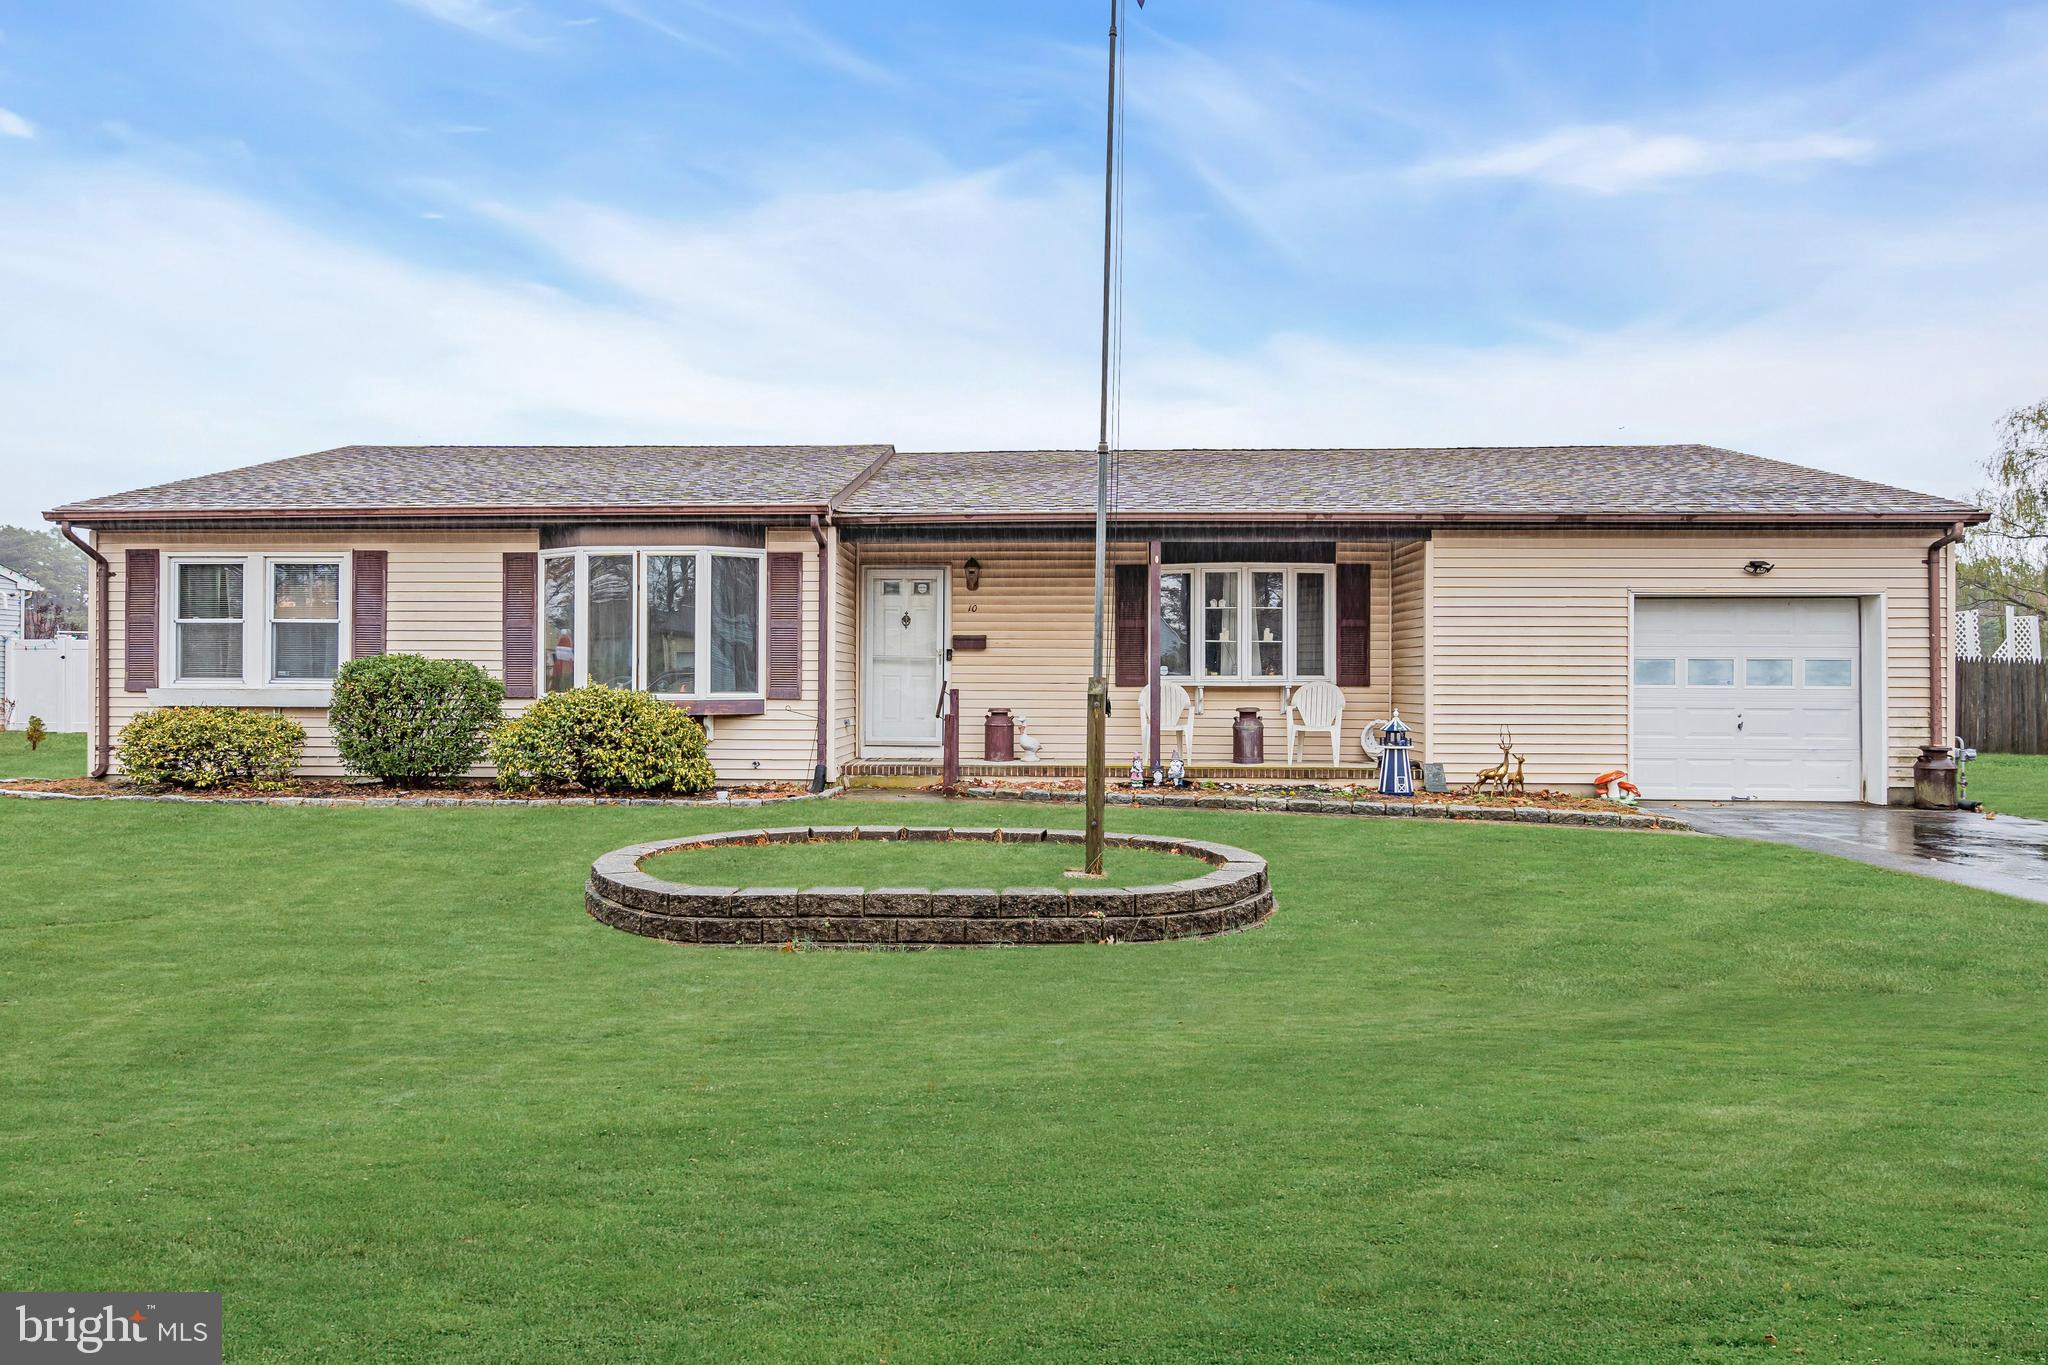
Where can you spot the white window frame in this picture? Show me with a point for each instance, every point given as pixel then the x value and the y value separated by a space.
pixel 271 619
pixel 257 606
pixel 1198 675
pixel 639 554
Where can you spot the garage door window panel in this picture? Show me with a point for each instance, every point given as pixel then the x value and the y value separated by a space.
pixel 1767 672
pixel 1830 673
pixel 1656 672
pixel 1710 672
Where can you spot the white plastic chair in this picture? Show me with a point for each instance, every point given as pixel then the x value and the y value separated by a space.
pixel 1316 708
pixel 1176 712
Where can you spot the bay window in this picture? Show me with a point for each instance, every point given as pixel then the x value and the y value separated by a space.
pixel 558 622
pixel 254 621
pixel 675 621
pixel 735 624
pixel 671 664
pixel 609 593
pixel 1246 623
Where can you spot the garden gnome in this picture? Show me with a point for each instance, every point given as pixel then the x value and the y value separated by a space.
pixel 1176 771
pixel 1137 771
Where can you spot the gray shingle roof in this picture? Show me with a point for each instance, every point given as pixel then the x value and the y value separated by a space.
pixel 476 478
pixel 1474 482
pixel 1470 481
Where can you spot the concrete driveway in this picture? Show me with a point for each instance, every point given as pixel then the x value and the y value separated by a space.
pixel 2005 854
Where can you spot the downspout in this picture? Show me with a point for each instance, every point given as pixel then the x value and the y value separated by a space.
pixel 824 652
pixel 1934 775
pixel 102 650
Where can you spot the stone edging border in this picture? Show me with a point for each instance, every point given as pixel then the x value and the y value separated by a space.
pixel 1236 895
pixel 1336 805
pixel 479 802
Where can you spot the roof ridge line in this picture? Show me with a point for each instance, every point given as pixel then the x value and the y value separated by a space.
pixel 860 480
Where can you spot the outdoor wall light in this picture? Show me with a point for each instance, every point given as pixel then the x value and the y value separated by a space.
pixel 973 568
pixel 1757 568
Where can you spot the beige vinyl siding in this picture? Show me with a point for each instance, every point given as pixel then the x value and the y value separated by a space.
pixel 1531 629
pixel 1036 606
pixel 781 744
pixel 846 598
pixel 445 600
pixel 1411 636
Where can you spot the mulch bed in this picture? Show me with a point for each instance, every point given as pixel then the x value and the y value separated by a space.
pixel 476 789
pixel 1543 799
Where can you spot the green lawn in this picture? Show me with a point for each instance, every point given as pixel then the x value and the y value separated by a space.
pixel 2011 784
pixel 58 756
pixel 883 863
pixel 1475 1092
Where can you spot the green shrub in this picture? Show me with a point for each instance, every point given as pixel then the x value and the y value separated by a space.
pixel 37 733
pixel 405 718
pixel 210 746
pixel 604 739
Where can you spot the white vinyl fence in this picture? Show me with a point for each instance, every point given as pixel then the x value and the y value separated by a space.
pixel 47 678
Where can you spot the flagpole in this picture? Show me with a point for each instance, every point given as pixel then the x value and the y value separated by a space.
pixel 1098 682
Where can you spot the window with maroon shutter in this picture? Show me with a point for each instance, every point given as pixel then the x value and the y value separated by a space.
pixel 1131 643
pixel 142 570
pixel 1354 625
pixel 521 619
pixel 369 602
pixel 785 625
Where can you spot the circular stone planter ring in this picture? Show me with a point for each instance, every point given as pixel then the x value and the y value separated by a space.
pixel 1234 894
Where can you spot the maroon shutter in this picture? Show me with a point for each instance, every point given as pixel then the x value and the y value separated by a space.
pixel 1354 625
pixel 785 625
pixel 522 624
pixel 1131 642
pixel 144 575
pixel 369 602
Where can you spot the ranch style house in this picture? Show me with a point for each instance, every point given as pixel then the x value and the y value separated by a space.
pixel 1718 625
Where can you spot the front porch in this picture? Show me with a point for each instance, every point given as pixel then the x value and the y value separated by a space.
pixel 1234 619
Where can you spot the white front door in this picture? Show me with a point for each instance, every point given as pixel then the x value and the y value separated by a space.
pixel 905 618
pixel 1757 697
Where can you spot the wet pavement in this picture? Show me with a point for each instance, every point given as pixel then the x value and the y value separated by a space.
pixel 2005 854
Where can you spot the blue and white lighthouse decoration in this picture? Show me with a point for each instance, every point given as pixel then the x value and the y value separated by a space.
pixel 1396 777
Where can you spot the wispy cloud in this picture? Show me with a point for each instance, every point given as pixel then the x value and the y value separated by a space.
pixel 779 30
pixel 664 25
pixel 14 125
pixel 506 24
pixel 1615 159
pixel 956 313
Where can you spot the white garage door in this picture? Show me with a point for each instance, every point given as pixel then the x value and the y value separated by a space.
pixel 1748 697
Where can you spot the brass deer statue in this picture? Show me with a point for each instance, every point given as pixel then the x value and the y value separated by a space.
pixel 1497 776
pixel 1515 784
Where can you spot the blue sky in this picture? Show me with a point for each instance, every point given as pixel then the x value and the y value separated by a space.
pixel 237 229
